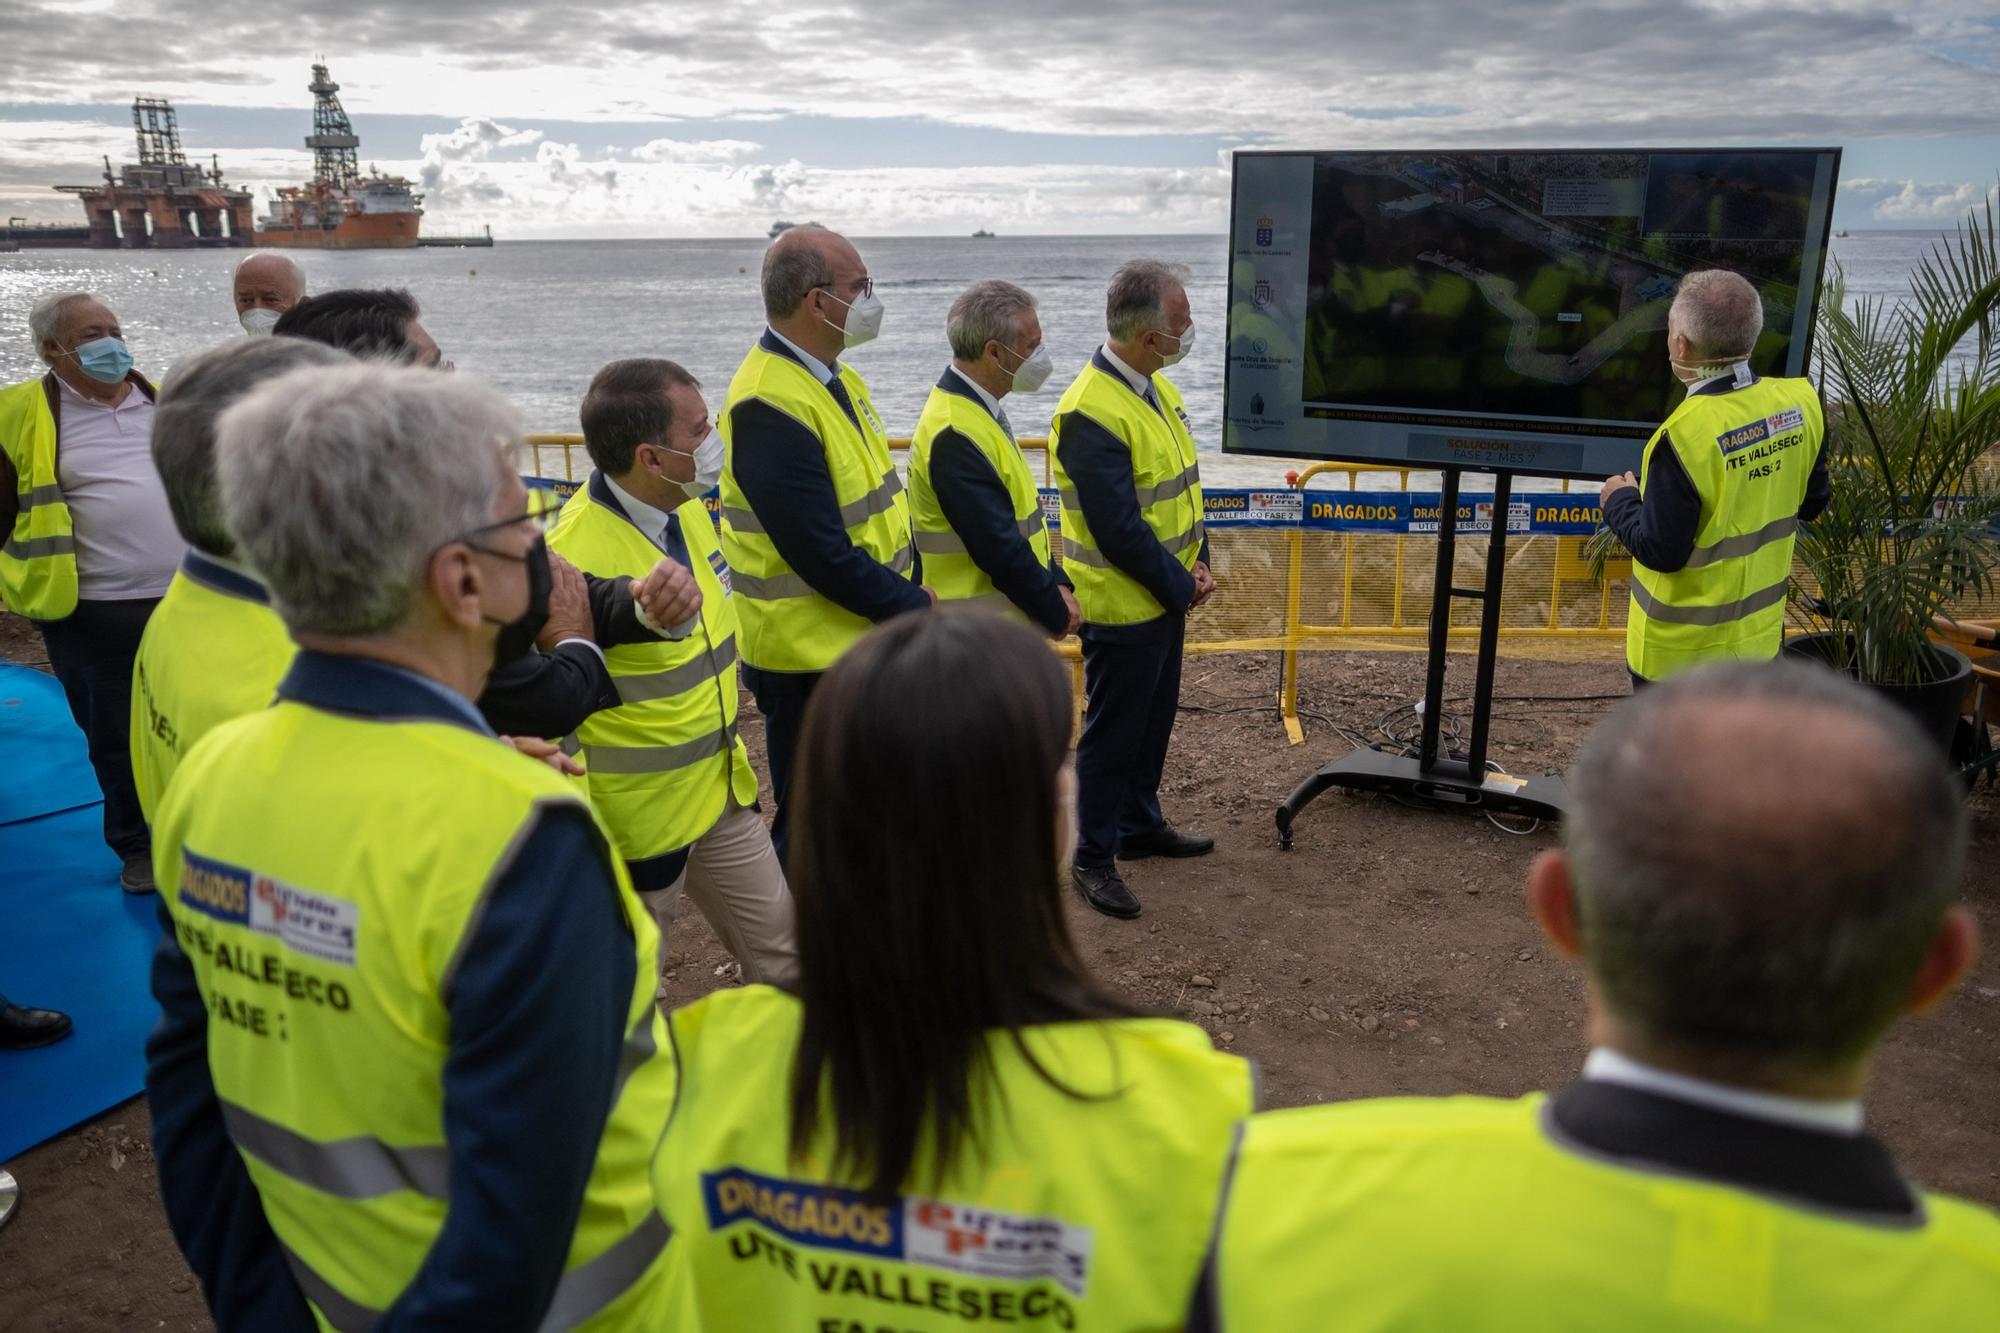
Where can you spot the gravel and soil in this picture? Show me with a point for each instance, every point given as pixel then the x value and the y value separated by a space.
pixel 1388 954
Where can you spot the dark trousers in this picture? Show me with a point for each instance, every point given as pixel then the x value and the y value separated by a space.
pixel 1133 686
pixel 1639 682
pixel 781 697
pixel 92 652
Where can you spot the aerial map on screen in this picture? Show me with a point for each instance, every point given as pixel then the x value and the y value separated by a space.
pixel 1500 295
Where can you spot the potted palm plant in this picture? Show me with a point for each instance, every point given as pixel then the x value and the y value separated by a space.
pixel 1913 418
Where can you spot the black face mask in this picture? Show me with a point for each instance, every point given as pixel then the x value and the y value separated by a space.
pixel 517 636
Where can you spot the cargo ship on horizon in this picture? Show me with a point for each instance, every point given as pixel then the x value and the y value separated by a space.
pixel 339 208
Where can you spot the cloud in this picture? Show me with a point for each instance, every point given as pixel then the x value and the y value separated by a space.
pixel 1918 202
pixel 695 150
pixel 477 139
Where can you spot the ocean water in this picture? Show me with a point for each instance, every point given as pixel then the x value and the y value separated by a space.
pixel 537 318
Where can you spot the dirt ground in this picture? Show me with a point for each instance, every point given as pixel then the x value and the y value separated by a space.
pixel 1388 954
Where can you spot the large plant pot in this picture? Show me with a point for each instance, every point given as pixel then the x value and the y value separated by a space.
pixel 1935 704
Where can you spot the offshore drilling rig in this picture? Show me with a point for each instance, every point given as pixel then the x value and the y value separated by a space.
pixel 161 201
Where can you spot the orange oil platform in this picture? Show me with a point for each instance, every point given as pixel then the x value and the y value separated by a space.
pixel 161 202
pixel 339 208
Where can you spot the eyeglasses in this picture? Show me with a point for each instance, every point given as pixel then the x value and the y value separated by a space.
pixel 543 506
pixel 867 289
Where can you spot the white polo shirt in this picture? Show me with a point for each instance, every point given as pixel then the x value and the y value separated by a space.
pixel 126 544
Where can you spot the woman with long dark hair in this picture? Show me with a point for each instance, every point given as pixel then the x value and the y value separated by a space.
pixel 952 1123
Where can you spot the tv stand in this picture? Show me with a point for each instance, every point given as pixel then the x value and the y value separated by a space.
pixel 1442 780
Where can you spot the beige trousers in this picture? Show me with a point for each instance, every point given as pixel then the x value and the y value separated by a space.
pixel 736 882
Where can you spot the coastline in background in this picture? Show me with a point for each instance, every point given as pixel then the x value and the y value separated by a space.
pixel 537 318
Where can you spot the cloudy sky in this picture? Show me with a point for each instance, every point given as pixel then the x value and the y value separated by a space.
pixel 573 118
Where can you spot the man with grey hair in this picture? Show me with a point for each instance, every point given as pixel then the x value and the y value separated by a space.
pixel 815 524
pixel 1747 941
pixel 266 284
pixel 1711 516
pixel 1134 547
pixel 213 649
pixel 409 1065
pixel 973 501
pixel 89 543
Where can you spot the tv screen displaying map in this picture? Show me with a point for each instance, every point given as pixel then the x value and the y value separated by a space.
pixel 1499 310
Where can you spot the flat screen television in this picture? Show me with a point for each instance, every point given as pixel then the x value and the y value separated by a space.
pixel 1499 310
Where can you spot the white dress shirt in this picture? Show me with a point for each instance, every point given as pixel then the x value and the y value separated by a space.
pixel 812 363
pixel 992 403
pixel 126 544
pixel 1827 1117
pixel 653 522
pixel 1141 384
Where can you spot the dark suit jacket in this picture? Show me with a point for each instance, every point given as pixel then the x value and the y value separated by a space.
pixel 550 694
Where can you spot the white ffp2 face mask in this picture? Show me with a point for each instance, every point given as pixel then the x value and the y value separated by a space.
pixel 258 321
pixel 707 464
pixel 864 319
pixel 1034 370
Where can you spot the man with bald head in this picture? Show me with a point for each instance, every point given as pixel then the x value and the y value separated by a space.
pixel 89 542
pixel 1722 488
pixel 1747 941
pixel 815 525
pixel 267 284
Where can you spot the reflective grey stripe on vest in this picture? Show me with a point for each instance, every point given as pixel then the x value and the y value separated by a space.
pixel 637 689
pixel 775 587
pixel 345 1315
pixel 1075 552
pixel 657 758
pixel 1168 489
pixel 1669 614
pixel 878 501
pixel 570 745
pixel 1175 545
pixel 582 1292
pixel 1734 548
pixel 950 543
pixel 588 1288
pixel 38 547
pixel 993 602
pixel 351 1168
pixel 51 494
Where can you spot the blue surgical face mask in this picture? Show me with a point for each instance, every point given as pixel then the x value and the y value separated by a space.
pixel 104 359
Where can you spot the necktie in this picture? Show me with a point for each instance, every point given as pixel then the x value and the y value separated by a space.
pixel 838 389
pixel 1005 424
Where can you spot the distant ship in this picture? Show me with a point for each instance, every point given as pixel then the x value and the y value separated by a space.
pixel 339 208
pixel 160 202
pixel 781 226
pixel 982 235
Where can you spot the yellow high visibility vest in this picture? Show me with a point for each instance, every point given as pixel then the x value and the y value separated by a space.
pixel 1083 1212
pixel 1749 453
pixel 320 945
pixel 213 650
pixel 949 570
pixel 663 763
pixel 37 558
pixel 1165 477
pixel 787 626
pixel 1416 1214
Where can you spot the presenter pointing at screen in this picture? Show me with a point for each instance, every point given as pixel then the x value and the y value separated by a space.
pixel 1722 487
pixel 1134 547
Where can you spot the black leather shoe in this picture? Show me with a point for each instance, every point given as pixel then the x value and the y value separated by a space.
pixel 21 1029
pixel 1103 890
pixel 1166 840
pixel 136 876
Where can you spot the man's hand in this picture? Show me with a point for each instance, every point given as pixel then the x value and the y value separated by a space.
pixel 931 593
pixel 1617 483
pixel 1075 612
pixel 1204 584
pixel 536 748
pixel 668 594
pixel 569 606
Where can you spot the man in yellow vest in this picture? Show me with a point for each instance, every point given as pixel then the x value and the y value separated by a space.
pixel 408 1071
pixel 213 649
pixel 1135 549
pixel 1747 940
pixel 665 767
pixel 815 523
pixel 87 546
pixel 973 497
pixel 1712 515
